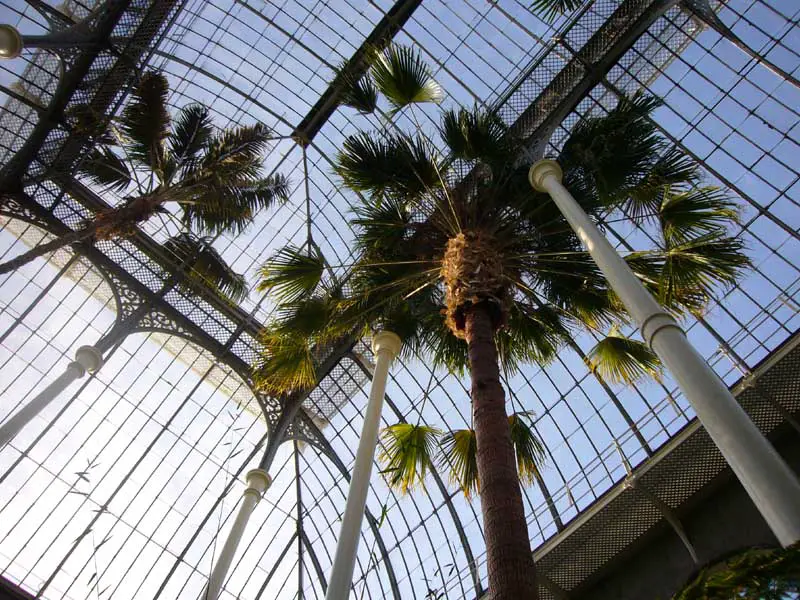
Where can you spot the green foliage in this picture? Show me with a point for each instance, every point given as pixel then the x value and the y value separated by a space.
pixel 205 267
pixel 357 92
pixel 622 360
pixel 550 9
pixel 407 454
pixel 475 134
pixel 389 164
pixel 190 135
pixel 285 364
pixel 692 213
pixel 106 169
pixel 292 273
pixel 403 77
pixel 755 574
pixel 145 121
pixel 527 447
pixel 693 269
pixel 460 456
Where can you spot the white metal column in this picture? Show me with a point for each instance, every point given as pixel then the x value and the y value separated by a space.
pixel 87 358
pixel 386 345
pixel 768 480
pixel 258 482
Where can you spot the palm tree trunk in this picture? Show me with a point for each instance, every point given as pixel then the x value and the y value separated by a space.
pixel 508 551
pixel 59 242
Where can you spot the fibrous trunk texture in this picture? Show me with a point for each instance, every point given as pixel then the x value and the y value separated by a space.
pixel 107 224
pixel 472 271
pixel 122 221
pixel 509 558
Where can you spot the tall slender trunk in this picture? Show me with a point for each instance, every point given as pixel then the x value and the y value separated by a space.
pixel 508 550
pixel 81 235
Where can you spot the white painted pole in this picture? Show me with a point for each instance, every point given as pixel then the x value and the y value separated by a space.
pixel 386 345
pixel 87 358
pixel 769 481
pixel 258 482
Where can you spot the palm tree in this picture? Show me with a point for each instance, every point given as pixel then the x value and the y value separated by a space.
pixel 470 267
pixel 488 261
pixel 215 178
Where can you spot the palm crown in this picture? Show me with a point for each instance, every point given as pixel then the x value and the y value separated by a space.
pixel 452 245
pixel 214 178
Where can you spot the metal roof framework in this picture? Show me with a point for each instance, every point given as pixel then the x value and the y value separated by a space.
pixel 268 62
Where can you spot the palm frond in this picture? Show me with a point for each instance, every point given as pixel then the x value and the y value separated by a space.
pixel 609 155
pixel 357 92
pixel 531 335
pixel 104 168
pixel 692 270
pixel 550 9
pixel 407 454
pixel 687 214
pixel 220 208
pixel 528 447
pixel 191 133
pixel 382 227
pixel 206 267
pixel 388 164
pixel 672 169
pixel 460 457
pixel 475 135
pixel 404 78
pixel 620 359
pixel 292 273
pixel 285 364
pixel 145 122
pixel 309 317
pixel 234 155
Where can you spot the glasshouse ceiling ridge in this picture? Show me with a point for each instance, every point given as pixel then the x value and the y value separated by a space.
pixel 729 102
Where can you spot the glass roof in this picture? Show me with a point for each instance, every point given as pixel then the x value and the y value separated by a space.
pixel 126 486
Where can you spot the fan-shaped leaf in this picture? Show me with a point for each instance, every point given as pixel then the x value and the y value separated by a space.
pixel 550 9
pixel 531 335
pixel 388 164
pixel 693 269
pixel 460 457
pixel 406 454
pixel 687 214
pixel 285 365
pixel 476 135
pixel 623 360
pixel 357 92
pixel 404 78
pixel 292 273
pixel 205 267
pixel 527 446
